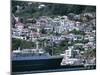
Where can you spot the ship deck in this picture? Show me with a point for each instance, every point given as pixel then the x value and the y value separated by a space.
pixel 32 57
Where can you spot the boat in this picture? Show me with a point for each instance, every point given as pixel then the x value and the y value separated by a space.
pixel 33 62
pixel 30 61
pixel 23 61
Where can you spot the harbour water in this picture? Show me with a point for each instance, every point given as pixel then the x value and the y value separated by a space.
pixel 30 69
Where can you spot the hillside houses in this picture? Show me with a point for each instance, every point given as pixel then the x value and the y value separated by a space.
pixel 81 35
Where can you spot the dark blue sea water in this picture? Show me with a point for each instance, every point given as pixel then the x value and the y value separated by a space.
pixel 58 69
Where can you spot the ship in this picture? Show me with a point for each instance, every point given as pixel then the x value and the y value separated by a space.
pixel 34 62
pixel 29 61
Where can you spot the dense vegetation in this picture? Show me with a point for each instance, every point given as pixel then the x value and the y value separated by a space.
pixel 22 44
pixel 27 9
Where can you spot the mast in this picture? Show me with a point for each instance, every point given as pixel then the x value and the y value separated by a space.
pixel 38 35
pixel 37 46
